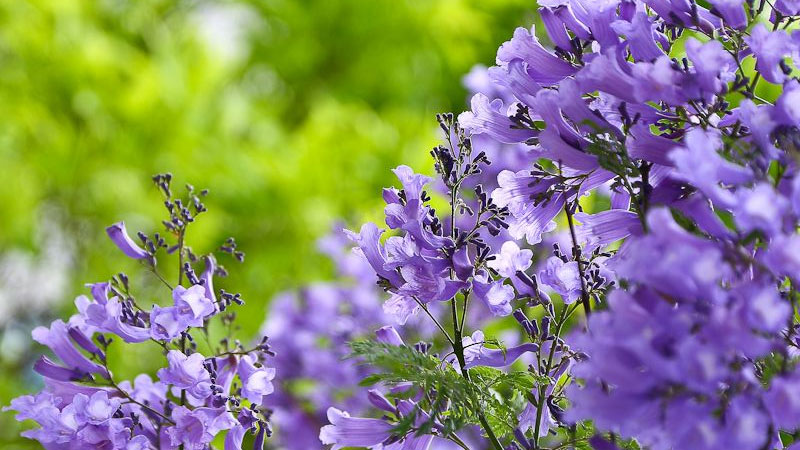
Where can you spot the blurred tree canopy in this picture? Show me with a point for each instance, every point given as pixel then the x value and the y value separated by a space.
pixel 290 112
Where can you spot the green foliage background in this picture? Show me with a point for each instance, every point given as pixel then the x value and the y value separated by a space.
pixel 292 125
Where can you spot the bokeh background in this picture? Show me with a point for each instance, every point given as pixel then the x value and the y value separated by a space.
pixel 292 113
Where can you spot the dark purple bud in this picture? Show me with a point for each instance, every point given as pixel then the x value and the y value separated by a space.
pixel 545 327
pixel 119 236
pixel 85 342
pixel 258 443
pixel 247 418
pixel 462 264
pixel 531 282
pixel 522 439
pixel 523 320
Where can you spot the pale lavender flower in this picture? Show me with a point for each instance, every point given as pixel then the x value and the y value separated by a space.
pixel 195 428
pixel 491 117
pixel 256 379
pixel 494 294
pixel 187 373
pixel 563 277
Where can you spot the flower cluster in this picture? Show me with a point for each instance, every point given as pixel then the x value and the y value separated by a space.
pixel 697 347
pixel 691 338
pixel 193 399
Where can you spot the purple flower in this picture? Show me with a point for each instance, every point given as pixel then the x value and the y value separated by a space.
pixel 98 408
pixel 787 108
pixel 166 324
pixel 639 33
pixel 144 390
pixel 57 338
pixel 782 256
pixel 476 354
pixel 85 422
pixel 208 278
pixel 494 294
pixel 769 48
pixel 389 335
pixel 700 261
pixel 529 220
pixel 400 307
pixel 48 369
pixel 234 438
pixel 193 304
pixel 788 7
pixel 527 418
pixel 511 260
pixel 139 442
pixel 732 12
pixel 700 164
pixel 187 373
pixel 346 431
pixel 108 318
pixel 256 379
pixel 563 278
pixel 760 121
pixel 543 66
pixel 489 117
pixel 649 147
pixel 368 241
pixel 120 237
pixel 195 429
pixel 606 227
pixel 783 401
pixel 421 282
pixel 713 65
pixel 760 208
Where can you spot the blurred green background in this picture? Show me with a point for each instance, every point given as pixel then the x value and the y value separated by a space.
pixel 290 112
